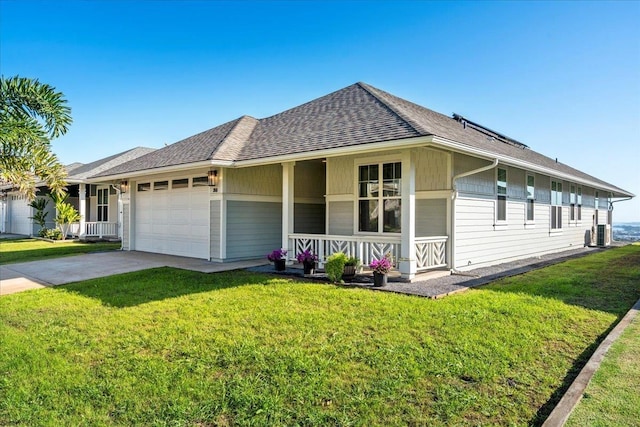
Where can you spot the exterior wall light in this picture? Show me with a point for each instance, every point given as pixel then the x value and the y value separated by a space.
pixel 124 186
pixel 212 176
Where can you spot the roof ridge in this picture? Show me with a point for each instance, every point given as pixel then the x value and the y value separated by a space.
pixel 240 143
pixel 370 90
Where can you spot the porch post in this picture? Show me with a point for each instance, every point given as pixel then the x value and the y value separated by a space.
pixel 82 192
pixel 287 204
pixel 408 264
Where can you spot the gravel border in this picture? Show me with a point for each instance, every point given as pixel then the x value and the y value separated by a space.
pixel 439 287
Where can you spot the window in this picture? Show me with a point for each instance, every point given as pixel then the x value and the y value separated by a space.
pixel 145 186
pixel 596 205
pixel 161 185
pixel 579 203
pixel 379 211
pixel 501 190
pixel 572 202
pixel 531 196
pixel 200 181
pixel 180 183
pixel 103 204
pixel 556 205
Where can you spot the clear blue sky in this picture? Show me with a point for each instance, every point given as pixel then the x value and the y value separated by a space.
pixel 562 77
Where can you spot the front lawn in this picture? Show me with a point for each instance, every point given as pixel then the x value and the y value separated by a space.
pixel 23 250
pixel 172 347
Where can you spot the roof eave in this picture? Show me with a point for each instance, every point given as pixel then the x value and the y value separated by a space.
pixel 163 169
pixel 462 148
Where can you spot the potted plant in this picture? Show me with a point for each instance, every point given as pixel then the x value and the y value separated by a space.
pixel 308 260
pixel 278 259
pixel 381 268
pixel 350 267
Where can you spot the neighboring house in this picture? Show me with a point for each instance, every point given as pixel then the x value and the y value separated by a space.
pixel 97 203
pixel 362 171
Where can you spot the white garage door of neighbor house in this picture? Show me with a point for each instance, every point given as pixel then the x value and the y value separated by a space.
pixel 19 213
pixel 173 222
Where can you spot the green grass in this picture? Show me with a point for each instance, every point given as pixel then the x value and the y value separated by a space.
pixel 172 347
pixel 23 250
pixel 612 398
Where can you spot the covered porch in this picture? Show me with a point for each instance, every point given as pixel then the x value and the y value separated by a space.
pixel 99 208
pixel 370 205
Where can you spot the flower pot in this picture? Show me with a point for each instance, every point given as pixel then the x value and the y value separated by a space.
pixel 349 272
pixel 280 264
pixel 379 279
pixel 309 267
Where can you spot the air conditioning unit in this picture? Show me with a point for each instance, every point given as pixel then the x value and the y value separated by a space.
pixel 603 235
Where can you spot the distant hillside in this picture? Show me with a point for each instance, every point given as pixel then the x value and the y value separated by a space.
pixel 626 232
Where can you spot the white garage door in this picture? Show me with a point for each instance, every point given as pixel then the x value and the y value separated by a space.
pixel 173 221
pixel 19 213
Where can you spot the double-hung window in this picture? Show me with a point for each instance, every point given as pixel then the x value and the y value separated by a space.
pixel 531 196
pixel 556 205
pixel 379 197
pixel 572 202
pixel 596 204
pixel 103 204
pixel 501 190
pixel 579 203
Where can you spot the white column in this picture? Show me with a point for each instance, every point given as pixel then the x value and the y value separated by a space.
pixel 82 191
pixel 408 264
pixel 287 204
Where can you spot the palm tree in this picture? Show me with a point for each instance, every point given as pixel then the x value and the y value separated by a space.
pixel 31 115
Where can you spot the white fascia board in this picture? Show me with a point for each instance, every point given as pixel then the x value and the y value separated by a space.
pixel 510 161
pixel 342 151
pixel 164 169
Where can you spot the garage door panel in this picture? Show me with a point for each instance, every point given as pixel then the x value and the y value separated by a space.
pixel 174 222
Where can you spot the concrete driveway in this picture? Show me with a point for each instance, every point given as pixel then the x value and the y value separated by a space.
pixel 59 271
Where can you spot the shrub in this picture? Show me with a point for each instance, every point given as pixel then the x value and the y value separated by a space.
pixel 51 233
pixel 335 266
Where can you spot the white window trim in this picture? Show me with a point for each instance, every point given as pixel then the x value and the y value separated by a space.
pixel 529 223
pixel 379 160
pixel 554 231
pixel 501 224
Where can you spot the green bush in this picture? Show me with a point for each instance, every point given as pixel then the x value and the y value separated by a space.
pixel 335 266
pixel 51 233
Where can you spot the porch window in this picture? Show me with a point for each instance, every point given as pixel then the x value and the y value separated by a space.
pixel 501 190
pixel 531 189
pixel 103 204
pixel 379 206
pixel 556 205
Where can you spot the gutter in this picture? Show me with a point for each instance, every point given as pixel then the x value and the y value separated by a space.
pixel 454 196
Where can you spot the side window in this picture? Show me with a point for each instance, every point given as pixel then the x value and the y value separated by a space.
pixel 501 191
pixel 556 205
pixel 531 197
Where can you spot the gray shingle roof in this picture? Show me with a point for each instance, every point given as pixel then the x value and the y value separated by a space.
pixel 356 115
pixel 79 171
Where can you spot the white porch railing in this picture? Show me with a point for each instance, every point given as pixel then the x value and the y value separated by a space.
pixel 364 247
pixel 95 229
pixel 431 252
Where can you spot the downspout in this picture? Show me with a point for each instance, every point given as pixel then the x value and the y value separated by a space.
pixel 611 211
pixel 454 196
pixel 120 215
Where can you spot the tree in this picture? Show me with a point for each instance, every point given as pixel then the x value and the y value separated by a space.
pixel 40 214
pixel 31 115
pixel 66 214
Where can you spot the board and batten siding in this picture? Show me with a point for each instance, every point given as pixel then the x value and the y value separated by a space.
pixel 258 180
pixel 253 228
pixel 479 244
pixel 214 224
pixel 431 169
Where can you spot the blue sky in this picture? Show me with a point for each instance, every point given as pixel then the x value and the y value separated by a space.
pixel 562 77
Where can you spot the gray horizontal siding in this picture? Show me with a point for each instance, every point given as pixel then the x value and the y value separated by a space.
pixel 253 228
pixel 478 243
pixel 341 218
pixel 431 217
pixel 215 229
pixel 309 218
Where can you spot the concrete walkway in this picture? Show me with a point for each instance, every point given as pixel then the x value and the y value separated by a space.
pixel 59 271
